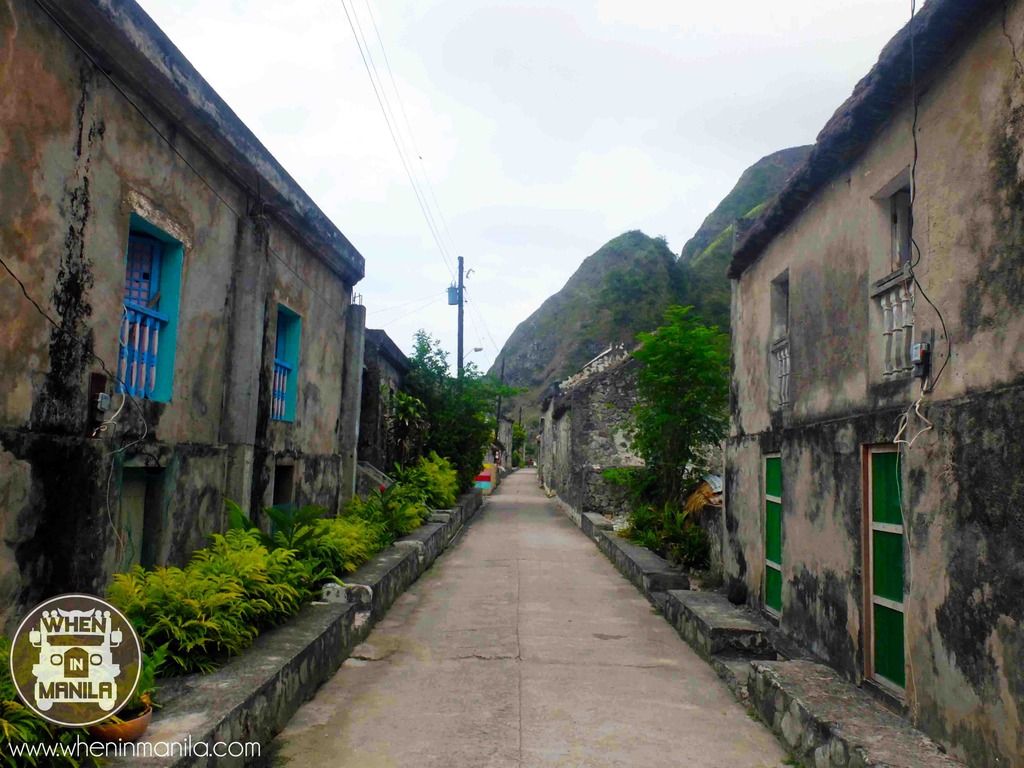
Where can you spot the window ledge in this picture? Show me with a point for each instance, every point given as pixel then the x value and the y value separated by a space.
pixel 887 283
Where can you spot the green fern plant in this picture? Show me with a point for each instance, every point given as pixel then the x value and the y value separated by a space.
pixel 273 582
pixel 200 617
pixel 435 477
pixel 396 511
pixel 340 545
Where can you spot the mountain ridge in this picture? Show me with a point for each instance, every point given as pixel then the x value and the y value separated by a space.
pixel 625 286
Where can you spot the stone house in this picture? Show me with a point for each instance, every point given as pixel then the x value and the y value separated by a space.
pixel 504 440
pixel 384 369
pixel 204 343
pixel 896 555
pixel 584 429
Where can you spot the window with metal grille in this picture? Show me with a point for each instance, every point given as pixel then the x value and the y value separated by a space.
pixel 779 364
pixel 284 385
pixel 148 327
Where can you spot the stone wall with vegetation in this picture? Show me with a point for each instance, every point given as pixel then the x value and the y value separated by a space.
pixel 585 431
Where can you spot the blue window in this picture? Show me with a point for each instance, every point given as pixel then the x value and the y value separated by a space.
pixel 286 364
pixel 149 318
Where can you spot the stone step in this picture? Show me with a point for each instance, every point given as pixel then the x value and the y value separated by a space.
pixel 648 572
pixel 715 627
pixel 827 722
pixel 734 673
pixel 591 523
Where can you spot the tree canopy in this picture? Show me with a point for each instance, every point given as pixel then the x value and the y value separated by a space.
pixel 458 414
pixel 683 388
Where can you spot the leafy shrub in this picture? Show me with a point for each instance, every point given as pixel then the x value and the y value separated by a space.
pixel 215 606
pixel 246 580
pixel 341 544
pixel 292 525
pixel 393 512
pixel 435 477
pixel 638 484
pixel 19 726
pixel 672 533
pixel 458 412
pixel 274 582
pixel 201 617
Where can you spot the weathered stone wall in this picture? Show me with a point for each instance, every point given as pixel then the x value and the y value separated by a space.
pixel 383 375
pixel 963 479
pixel 585 431
pixel 79 161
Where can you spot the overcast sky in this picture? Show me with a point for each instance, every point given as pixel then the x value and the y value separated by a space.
pixel 545 129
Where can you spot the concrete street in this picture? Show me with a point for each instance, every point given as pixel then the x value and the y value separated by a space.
pixel 523 646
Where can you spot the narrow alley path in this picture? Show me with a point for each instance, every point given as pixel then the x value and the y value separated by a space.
pixel 523 646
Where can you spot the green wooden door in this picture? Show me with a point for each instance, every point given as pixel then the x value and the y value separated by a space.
pixel 886 568
pixel 773 533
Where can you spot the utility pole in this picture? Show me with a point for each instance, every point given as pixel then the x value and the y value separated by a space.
pixel 462 312
pixel 501 381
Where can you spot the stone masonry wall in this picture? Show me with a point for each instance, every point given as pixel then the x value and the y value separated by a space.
pixel 585 430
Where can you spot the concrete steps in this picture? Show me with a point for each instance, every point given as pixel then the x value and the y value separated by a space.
pixel 828 722
pixel 715 627
pixel 648 572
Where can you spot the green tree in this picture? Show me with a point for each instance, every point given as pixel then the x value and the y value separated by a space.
pixel 518 443
pixel 683 388
pixel 406 426
pixel 459 414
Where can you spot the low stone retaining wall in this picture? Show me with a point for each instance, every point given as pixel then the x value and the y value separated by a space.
pixel 828 722
pixel 714 627
pixel 649 572
pixel 592 524
pixel 252 697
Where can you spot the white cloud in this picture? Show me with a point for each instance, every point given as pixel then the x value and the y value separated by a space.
pixel 545 130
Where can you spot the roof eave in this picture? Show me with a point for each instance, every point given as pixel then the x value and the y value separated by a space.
pixel 938 27
pixel 129 45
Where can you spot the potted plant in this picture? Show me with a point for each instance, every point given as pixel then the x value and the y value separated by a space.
pixel 132 721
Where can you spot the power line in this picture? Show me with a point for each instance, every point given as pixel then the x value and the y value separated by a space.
pixel 479 314
pixel 408 128
pixel 386 110
pixel 430 303
pixel 403 304
pixel 366 56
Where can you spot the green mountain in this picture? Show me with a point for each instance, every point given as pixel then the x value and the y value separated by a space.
pixel 756 185
pixel 618 291
pixel 625 287
pixel 705 258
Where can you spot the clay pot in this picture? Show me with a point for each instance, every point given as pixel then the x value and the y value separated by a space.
pixel 129 730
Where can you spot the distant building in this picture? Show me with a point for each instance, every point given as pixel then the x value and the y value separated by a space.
pixel 895 551
pixel 584 430
pixel 384 369
pixel 194 284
